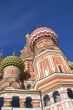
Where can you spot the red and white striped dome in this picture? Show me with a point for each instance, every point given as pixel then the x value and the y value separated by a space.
pixel 42 31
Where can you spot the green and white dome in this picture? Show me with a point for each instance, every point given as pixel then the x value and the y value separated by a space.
pixel 12 60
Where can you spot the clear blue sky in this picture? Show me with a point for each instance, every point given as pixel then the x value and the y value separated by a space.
pixel 19 17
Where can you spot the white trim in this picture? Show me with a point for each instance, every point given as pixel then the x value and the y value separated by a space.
pixel 46 72
pixel 51 63
pixel 47 50
pixel 44 79
pixel 38 69
pixel 64 61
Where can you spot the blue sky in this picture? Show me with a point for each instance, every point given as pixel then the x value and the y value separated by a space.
pixel 19 17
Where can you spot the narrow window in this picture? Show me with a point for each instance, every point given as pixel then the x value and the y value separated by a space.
pixel 15 101
pixel 1 102
pixel 28 102
pixel 56 96
pixel 60 69
pixel 70 93
pixel 46 100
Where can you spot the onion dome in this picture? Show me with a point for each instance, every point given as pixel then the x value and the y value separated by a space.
pixel 40 32
pixel 12 60
pixel 71 65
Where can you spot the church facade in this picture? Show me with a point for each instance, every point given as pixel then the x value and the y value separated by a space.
pixel 41 78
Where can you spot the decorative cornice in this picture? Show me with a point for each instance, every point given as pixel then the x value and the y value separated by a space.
pixel 54 80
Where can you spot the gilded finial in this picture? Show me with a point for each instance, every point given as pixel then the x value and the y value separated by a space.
pixel 27 39
pixel 27 36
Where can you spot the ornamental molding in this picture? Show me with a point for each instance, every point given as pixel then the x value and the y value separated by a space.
pixel 54 79
pixel 57 51
pixel 21 96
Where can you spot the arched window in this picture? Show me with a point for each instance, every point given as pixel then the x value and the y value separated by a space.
pixel 1 102
pixel 15 101
pixel 28 102
pixel 70 93
pixel 56 96
pixel 46 100
pixel 29 86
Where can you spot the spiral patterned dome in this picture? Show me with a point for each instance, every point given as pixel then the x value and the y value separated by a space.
pixel 12 60
pixel 42 31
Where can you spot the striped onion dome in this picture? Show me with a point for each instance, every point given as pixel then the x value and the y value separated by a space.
pixel 42 31
pixel 12 60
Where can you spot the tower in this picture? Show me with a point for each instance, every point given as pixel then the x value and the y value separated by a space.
pixel 54 77
pixel 40 79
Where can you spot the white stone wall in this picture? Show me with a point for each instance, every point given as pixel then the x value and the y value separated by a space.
pixel 66 103
pixel 21 96
pixel 10 108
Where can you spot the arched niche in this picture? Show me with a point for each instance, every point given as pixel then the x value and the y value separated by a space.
pixel 15 101
pixel 46 100
pixel 28 102
pixel 70 93
pixel 56 96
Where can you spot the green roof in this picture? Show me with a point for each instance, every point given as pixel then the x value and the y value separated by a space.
pixel 12 60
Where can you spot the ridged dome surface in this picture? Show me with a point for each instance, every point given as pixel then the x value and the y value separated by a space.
pixel 12 60
pixel 42 31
